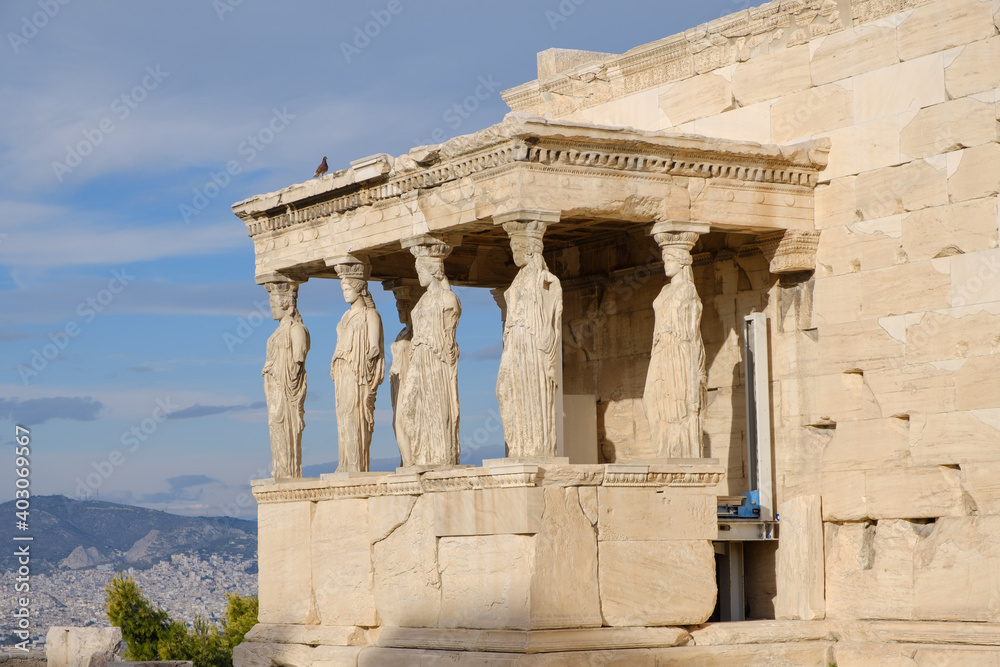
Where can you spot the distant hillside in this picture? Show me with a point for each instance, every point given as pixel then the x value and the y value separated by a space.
pixel 76 534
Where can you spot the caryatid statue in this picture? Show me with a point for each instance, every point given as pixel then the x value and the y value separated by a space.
pixel 528 379
pixel 358 367
pixel 285 380
pixel 675 392
pixel 428 398
pixel 406 296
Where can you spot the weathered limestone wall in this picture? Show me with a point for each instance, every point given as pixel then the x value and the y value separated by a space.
pixel 886 363
pixel 515 547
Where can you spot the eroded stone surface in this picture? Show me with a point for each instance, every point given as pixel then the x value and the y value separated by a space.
pixel 407 581
pixel 800 560
pixel 486 581
pixel 656 582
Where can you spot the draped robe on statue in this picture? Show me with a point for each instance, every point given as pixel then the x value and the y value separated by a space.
pixel 357 370
pixel 428 399
pixel 397 376
pixel 676 382
pixel 528 377
pixel 285 391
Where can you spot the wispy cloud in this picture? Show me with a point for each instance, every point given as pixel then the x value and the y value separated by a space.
pixel 34 411
pixel 199 410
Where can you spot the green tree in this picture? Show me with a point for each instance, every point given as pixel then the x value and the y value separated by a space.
pixel 142 624
pixel 150 634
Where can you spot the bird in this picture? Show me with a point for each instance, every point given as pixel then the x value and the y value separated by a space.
pixel 321 169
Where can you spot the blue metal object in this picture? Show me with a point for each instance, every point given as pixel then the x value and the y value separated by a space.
pixel 750 509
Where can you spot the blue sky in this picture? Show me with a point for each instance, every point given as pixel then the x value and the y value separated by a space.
pixel 132 333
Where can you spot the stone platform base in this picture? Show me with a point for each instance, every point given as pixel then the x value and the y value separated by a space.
pixel 751 643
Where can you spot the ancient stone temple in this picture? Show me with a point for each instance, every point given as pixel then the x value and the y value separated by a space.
pixel 750 385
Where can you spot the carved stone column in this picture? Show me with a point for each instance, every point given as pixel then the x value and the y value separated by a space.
pixel 358 366
pixel 675 392
pixel 285 379
pixel 407 293
pixel 530 376
pixel 427 407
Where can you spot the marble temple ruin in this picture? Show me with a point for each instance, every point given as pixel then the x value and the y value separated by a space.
pixel 749 281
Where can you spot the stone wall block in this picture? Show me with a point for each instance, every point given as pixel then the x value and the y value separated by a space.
pixel 772 75
pixel 974 172
pixel 956 438
pixel 637 514
pixel 869 569
pixel 976 383
pixel 853 51
pixel 285 586
pixel 895 190
pixel 974 278
pixel 800 560
pixel 488 512
pixel 407 581
pixel 907 86
pixel 656 582
pixel 870 444
pixel 342 571
pixel 79 647
pixel 835 203
pixel 947 127
pixel 486 581
pixel 956 577
pixel 799 116
pixel 863 147
pixel 698 97
pixel 564 591
pixel 951 336
pixel 936 26
pixel 949 230
pixel 975 69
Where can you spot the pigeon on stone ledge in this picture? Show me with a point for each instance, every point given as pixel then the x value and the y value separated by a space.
pixel 321 169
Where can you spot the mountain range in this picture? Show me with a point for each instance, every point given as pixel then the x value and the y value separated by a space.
pixel 77 534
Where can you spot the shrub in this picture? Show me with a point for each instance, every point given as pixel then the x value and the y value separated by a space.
pixel 150 634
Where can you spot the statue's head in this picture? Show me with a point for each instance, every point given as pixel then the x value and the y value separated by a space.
pixel 282 298
pixel 430 263
pixel 525 240
pixel 675 247
pixel 430 269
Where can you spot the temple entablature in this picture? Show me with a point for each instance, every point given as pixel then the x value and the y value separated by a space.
pixel 598 179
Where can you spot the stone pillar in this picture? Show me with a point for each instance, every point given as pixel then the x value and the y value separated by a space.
pixel 428 409
pixel 801 565
pixel 285 378
pixel 675 392
pixel 358 366
pixel 529 382
pixel 407 293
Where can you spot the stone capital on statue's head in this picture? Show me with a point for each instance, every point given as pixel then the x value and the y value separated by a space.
pixel 352 269
pixel 283 297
